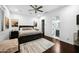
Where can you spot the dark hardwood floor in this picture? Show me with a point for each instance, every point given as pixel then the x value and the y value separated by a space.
pixel 61 47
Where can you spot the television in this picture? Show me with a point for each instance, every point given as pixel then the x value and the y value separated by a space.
pixel 77 21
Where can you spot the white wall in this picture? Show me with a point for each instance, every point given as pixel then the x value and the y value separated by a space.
pixel 68 25
pixel 4 35
pixel 26 20
pixel 23 19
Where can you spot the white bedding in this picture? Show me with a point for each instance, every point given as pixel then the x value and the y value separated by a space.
pixel 28 32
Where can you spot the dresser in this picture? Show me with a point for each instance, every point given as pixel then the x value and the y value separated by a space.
pixel 14 34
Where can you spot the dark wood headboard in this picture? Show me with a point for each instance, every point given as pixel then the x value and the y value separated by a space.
pixel 25 26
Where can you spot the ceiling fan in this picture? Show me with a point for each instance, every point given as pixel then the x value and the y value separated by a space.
pixel 36 8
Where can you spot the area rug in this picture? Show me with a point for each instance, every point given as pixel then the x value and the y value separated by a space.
pixel 36 46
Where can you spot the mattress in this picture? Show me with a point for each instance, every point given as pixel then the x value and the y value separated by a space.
pixel 28 32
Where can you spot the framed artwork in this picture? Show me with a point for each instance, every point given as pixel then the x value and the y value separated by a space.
pixel 35 24
pixel 14 23
pixel 6 21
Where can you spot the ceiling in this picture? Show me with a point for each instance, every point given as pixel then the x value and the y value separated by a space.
pixel 24 9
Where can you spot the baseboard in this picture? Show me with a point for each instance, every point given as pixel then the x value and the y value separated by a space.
pixel 50 38
pixel 64 46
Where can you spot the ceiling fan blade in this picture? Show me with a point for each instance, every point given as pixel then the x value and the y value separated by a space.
pixel 32 6
pixel 31 10
pixel 40 7
pixel 40 10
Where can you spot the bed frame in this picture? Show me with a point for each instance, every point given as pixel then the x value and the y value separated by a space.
pixel 23 39
pixel 21 26
pixel 28 38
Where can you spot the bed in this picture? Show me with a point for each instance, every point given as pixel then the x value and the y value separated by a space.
pixel 28 33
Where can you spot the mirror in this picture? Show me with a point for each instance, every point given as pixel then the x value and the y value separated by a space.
pixel 56 26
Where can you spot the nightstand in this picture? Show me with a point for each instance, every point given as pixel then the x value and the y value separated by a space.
pixel 14 34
